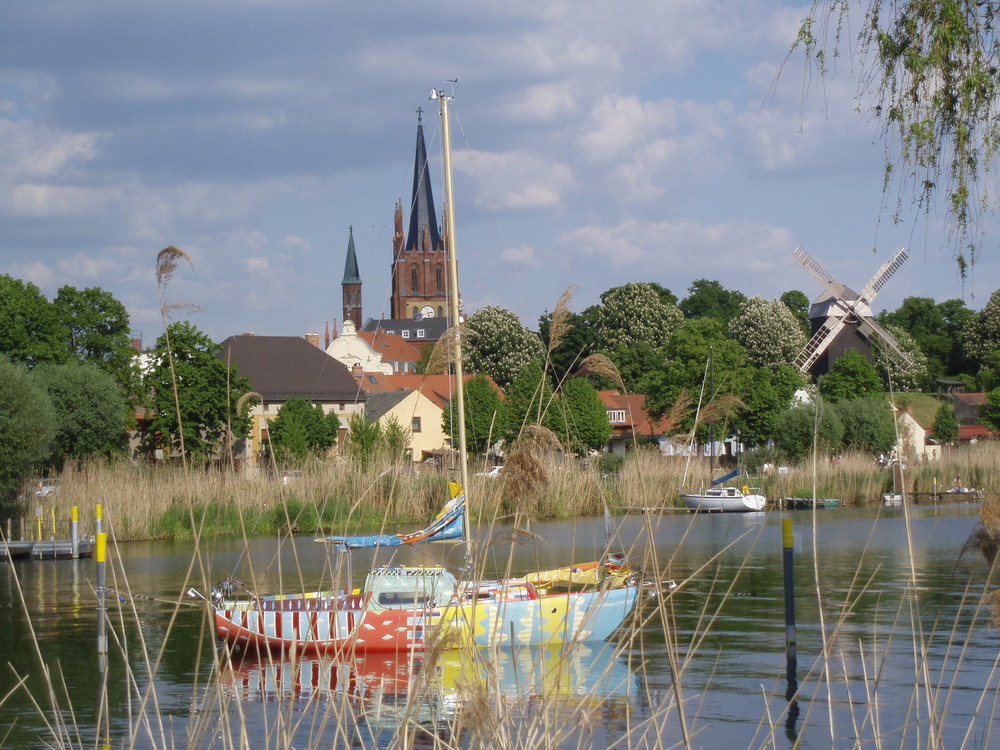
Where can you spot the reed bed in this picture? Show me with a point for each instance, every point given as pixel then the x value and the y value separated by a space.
pixel 161 502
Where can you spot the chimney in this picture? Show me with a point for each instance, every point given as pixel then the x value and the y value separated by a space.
pixel 313 338
pixel 327 335
pixel 356 370
pixel 137 344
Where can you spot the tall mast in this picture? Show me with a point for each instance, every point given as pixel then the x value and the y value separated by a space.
pixel 444 101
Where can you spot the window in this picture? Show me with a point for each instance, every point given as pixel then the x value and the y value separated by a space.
pixel 372 380
pixel 413 280
pixel 405 334
pixel 420 333
pixel 415 425
pixel 440 284
pixel 616 416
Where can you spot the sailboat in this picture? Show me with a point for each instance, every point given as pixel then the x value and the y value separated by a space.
pixel 410 607
pixel 718 498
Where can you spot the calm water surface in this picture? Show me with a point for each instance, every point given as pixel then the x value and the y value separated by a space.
pixel 852 590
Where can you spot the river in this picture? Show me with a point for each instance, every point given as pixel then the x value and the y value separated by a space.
pixel 880 661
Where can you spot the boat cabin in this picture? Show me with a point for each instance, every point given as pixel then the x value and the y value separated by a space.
pixel 409 587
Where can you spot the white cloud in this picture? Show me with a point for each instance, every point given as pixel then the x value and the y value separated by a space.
pixel 516 179
pixel 522 255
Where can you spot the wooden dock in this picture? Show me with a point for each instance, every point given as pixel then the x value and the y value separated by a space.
pixel 46 549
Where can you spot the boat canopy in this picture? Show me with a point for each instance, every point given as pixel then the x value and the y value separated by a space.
pixel 448 525
pixel 727 477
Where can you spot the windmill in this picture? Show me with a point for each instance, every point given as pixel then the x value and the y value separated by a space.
pixel 842 319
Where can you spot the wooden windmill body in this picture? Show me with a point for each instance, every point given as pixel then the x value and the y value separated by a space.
pixel 842 319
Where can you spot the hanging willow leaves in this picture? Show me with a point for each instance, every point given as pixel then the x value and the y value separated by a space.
pixel 930 71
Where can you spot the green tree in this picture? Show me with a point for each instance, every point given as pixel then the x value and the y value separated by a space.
pixel 769 332
pixel 868 424
pixel 581 418
pixel 852 376
pixel 363 440
pixel 945 427
pixel 28 424
pixel 302 429
pixel 932 68
pixel 766 395
pixel 896 374
pixel 635 313
pixel 207 392
pixel 484 416
pixel 529 401
pixel 578 341
pixel 30 329
pixel 798 305
pixel 98 332
pixel 396 439
pixel 501 346
pixel 799 426
pixel 90 411
pixel 709 299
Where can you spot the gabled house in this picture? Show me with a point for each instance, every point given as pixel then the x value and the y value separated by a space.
pixel 281 367
pixel 413 411
pixel 630 421
pixel 914 442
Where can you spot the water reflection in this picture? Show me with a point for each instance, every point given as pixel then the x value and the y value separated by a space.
pixel 374 694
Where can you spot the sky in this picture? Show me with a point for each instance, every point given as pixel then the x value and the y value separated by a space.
pixel 595 143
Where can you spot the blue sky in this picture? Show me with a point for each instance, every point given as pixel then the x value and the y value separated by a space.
pixel 595 144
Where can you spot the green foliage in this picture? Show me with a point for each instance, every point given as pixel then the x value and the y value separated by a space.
pixel 207 392
pixel 484 416
pixel 302 429
pixel 989 413
pixel 799 426
pixel 98 332
pixel 610 464
pixel 852 376
pixel 769 332
pixel 937 331
pixel 426 352
pixel 578 341
pixel 635 313
pixel 396 439
pixel 363 440
pixel 30 329
pixel 501 346
pixel 27 423
pixel 766 394
pixel 528 401
pixel 868 424
pixel 798 305
pixel 709 299
pixel 581 419
pixel 945 427
pixel 89 408
pixel 897 375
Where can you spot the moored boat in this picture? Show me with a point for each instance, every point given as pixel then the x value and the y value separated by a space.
pixel 719 499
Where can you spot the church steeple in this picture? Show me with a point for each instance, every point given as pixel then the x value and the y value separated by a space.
pixel 419 262
pixel 351 285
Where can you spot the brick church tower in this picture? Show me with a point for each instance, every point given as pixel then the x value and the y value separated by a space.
pixel 420 258
pixel 351 285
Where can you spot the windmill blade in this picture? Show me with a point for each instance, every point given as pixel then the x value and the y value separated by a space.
pixel 819 273
pixel 882 275
pixel 818 343
pixel 879 336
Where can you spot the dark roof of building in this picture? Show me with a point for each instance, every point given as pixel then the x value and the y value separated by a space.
pixel 280 367
pixel 379 404
pixel 423 220
pixel 432 328
pixel 351 273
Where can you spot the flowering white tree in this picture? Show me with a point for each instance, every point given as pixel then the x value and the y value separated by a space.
pixel 635 313
pixel 501 346
pixel 769 332
pixel 893 371
pixel 982 334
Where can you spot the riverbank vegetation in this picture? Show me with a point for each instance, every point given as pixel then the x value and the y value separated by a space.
pixel 148 501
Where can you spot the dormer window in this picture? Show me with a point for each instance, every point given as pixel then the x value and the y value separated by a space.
pixel 420 333
pixel 405 334
pixel 616 416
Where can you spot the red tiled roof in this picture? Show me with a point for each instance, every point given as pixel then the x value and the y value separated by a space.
pixel 637 419
pixel 392 346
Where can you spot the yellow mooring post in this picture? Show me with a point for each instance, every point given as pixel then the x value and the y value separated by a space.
pixel 100 553
pixel 74 531
pixel 791 661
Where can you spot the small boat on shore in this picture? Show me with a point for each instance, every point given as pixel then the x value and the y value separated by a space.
pixel 718 499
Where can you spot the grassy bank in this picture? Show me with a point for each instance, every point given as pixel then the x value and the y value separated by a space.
pixel 161 502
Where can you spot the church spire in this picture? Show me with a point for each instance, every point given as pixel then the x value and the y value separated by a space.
pixel 423 234
pixel 351 285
